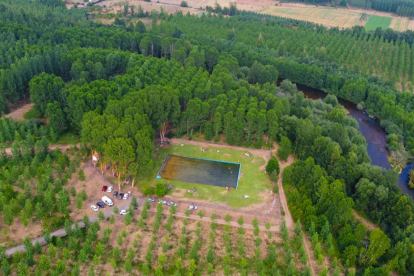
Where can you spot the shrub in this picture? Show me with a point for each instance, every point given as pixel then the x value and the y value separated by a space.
pixel 184 4
pixel 148 191
pixel 160 189
pixel 272 165
pixel 81 175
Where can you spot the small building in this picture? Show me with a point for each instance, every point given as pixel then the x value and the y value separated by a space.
pixel 95 157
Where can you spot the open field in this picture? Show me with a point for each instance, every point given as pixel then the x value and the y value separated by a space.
pixel 401 24
pixel 332 17
pixel 375 21
pixel 253 181
pixel 321 15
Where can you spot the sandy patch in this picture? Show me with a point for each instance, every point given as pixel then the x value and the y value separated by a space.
pixel 18 114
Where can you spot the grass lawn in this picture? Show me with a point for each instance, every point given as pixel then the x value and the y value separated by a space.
pixel 252 181
pixel 32 114
pixel 68 138
pixel 375 21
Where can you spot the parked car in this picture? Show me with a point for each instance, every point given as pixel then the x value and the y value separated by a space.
pixel 192 207
pixel 150 199
pixel 107 201
pixel 123 212
pixel 116 194
pixel 121 196
pixel 104 188
pixel 100 204
pixel 94 208
pixel 162 201
pixel 126 196
pixel 170 203
pixel 110 189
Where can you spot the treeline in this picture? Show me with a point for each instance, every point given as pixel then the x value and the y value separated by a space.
pixel 399 7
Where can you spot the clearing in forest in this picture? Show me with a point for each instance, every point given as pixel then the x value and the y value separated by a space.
pixel 252 180
pixel 375 21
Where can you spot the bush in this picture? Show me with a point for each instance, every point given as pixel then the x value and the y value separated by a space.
pixel 272 165
pixel 184 4
pixel 148 191
pixel 81 175
pixel 160 189
pixel 274 176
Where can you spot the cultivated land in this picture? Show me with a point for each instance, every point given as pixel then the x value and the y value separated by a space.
pixel 253 181
pixel 375 21
pixel 339 17
pixel 330 17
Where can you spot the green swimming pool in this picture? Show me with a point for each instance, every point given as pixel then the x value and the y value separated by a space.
pixel 200 171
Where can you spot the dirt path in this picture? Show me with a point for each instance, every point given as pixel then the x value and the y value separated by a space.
pixel 288 217
pixel 265 154
pixel 18 114
pixel 370 226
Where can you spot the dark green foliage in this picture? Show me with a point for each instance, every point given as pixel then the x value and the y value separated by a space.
pixel 160 189
pixel 272 165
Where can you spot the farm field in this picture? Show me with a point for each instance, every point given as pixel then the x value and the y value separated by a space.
pixel 401 24
pixel 321 15
pixel 253 181
pixel 375 21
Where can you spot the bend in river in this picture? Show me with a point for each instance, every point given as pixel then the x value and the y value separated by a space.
pixel 374 134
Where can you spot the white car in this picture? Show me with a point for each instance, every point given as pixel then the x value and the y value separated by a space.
pixel 123 212
pixel 110 189
pixel 150 199
pixel 107 201
pixel 192 207
pixel 94 208
pixel 162 201
pixel 170 203
pixel 126 196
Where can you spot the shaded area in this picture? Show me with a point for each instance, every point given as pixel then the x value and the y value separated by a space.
pixel 201 171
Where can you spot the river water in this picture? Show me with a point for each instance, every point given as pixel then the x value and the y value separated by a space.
pixel 374 134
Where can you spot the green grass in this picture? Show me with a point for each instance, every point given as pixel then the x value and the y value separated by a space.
pixel 252 182
pixel 375 21
pixel 68 139
pixel 32 114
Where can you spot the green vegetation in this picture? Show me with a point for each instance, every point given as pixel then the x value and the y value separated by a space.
pixel 252 181
pixel 376 21
pixel 32 114
pixel 120 86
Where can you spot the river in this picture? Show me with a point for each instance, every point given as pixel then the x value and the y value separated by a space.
pixel 374 134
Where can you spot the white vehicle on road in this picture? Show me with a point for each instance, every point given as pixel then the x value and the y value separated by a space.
pixel 126 196
pixel 162 202
pixel 192 207
pixel 107 201
pixel 110 189
pixel 94 208
pixel 123 212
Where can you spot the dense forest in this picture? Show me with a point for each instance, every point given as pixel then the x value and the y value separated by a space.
pixel 116 86
pixel 399 7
